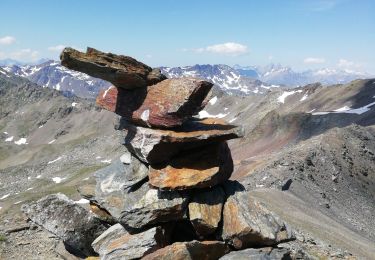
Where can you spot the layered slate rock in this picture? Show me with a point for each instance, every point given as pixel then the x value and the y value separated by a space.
pixel 166 104
pixel 199 168
pixel 156 146
pixel 76 226
pixel 110 185
pixel 147 207
pixel 248 223
pixel 205 210
pixel 122 71
pixel 204 250
pixel 266 253
pixel 117 243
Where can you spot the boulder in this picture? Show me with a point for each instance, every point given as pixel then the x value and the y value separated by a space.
pixel 248 223
pixel 122 71
pixel 156 146
pixel 76 226
pixel 146 207
pixel 266 253
pixel 205 209
pixel 202 250
pixel 117 243
pixel 198 168
pixel 166 104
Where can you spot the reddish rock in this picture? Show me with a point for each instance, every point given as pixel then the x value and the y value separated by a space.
pixel 156 146
pixel 199 168
pixel 122 71
pixel 205 250
pixel 164 105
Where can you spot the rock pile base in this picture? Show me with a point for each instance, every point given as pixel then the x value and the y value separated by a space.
pixel 169 196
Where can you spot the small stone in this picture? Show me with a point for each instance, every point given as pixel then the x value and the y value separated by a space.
pixel 199 168
pixel 205 210
pixel 156 145
pixel 75 225
pixel 205 250
pixel 248 223
pixel 166 104
pixel 122 71
pixel 117 243
pixel 259 254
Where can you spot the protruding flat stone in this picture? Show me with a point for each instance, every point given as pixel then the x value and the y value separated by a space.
pixel 117 243
pixel 206 250
pixel 166 104
pixel 122 71
pixel 156 146
pixel 75 225
pixel 205 210
pixel 198 168
pixel 248 223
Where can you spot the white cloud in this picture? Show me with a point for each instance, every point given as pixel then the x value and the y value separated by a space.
pixel 58 48
pixel 148 56
pixel 311 60
pixel 7 40
pixel 323 5
pixel 347 64
pixel 24 54
pixel 229 48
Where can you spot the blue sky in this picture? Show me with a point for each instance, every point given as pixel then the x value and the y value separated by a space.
pixel 298 33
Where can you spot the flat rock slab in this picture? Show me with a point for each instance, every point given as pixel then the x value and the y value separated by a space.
pixel 75 225
pixel 122 71
pixel 166 104
pixel 156 146
pixel 205 209
pixel 248 223
pixel 198 168
pixel 204 250
pixel 146 207
pixel 266 253
pixel 117 243
pixel 110 185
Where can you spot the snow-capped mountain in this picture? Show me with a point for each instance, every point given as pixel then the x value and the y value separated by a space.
pixel 52 75
pixel 227 78
pixel 281 75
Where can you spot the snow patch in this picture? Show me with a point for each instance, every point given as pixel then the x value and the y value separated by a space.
pixel 9 139
pixel 29 189
pixel 39 176
pixel 106 161
pixel 57 159
pixel 74 104
pixel 41 126
pixel 232 120
pixel 347 110
pixel 213 100
pixel 205 114
pixel 58 179
pixel 285 94
pixel 5 196
pixel 21 141
pixel 304 97
pixel 18 202
pixel 51 142
pixel 82 201
pixel 6 133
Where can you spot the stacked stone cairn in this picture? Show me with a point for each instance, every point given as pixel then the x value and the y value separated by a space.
pixel 168 196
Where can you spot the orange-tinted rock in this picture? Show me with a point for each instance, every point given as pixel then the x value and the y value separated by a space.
pixel 122 71
pixel 198 168
pixel 205 210
pixel 156 146
pixel 205 250
pixel 165 105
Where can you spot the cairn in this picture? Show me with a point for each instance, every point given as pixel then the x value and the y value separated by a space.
pixel 164 198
